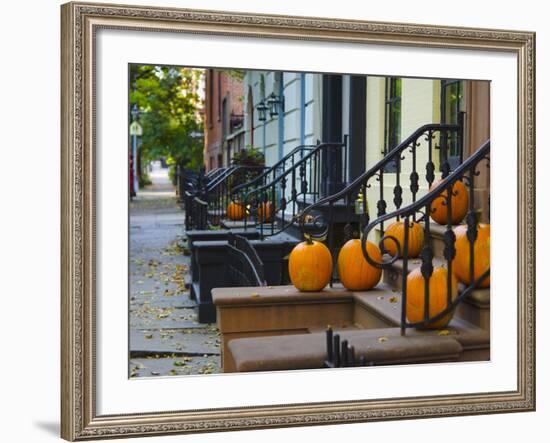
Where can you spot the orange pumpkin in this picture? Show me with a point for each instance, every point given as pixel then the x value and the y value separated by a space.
pixel 235 211
pixel 265 212
pixel 438 296
pixel 482 252
pixel 310 266
pixel 355 272
pixel 459 203
pixel 397 230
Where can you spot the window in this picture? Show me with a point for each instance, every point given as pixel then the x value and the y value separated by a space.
pixel 392 117
pixel 452 105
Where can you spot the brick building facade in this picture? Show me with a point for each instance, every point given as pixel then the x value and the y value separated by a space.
pixel 223 118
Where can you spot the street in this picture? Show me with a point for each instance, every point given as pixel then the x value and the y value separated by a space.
pixel 165 338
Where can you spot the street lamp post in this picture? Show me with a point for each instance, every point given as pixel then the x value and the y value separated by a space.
pixel 135 132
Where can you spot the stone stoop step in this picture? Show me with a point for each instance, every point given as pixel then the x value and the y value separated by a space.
pixel 233 225
pixel 308 351
pixel 393 276
pixel 475 308
pixel 387 306
pixel 288 317
pixel 437 233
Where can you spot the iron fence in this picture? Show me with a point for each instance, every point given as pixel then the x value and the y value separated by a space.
pixel 276 205
pixel 422 211
pixel 318 219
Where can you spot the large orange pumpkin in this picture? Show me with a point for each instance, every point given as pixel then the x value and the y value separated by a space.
pixel 265 212
pixel 355 272
pixel 438 296
pixel 459 203
pixel 235 211
pixel 310 266
pixel 482 254
pixel 397 230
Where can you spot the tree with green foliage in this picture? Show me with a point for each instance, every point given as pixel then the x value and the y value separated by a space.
pixel 170 113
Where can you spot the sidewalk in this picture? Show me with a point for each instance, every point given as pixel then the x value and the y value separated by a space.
pixel 165 338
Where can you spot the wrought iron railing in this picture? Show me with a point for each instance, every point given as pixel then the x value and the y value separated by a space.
pixel 340 354
pixel 421 211
pixel 243 266
pixel 213 173
pixel 196 211
pixel 275 206
pixel 271 173
pixel 190 180
pixel 186 180
pixel 218 192
pixel 318 219
pixel 192 189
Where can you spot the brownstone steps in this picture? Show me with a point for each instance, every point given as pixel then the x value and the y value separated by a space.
pixel 475 308
pixel 381 346
pixel 278 327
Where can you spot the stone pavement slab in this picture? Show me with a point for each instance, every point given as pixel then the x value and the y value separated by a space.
pixel 167 341
pixel 151 316
pixel 173 366
pixel 165 337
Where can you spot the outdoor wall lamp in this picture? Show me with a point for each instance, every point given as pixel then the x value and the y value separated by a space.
pixel 262 109
pixel 274 103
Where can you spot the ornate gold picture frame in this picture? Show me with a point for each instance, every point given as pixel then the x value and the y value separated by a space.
pixel 80 22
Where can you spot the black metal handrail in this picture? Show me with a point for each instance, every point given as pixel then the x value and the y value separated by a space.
pixel 218 192
pixel 196 183
pixel 196 211
pixel 358 187
pixel 421 211
pixel 196 193
pixel 275 206
pixel 220 177
pixel 210 175
pixel 354 195
pixel 244 267
pixel 272 172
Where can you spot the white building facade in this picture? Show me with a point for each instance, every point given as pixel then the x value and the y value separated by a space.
pixel 298 120
pixel 374 114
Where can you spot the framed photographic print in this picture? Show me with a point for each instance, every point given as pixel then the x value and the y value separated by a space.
pixel 282 221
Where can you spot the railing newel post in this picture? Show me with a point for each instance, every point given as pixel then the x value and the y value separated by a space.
pixel 344 354
pixel 404 276
pixel 336 350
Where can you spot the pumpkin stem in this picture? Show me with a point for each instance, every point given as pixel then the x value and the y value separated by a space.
pixel 308 239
